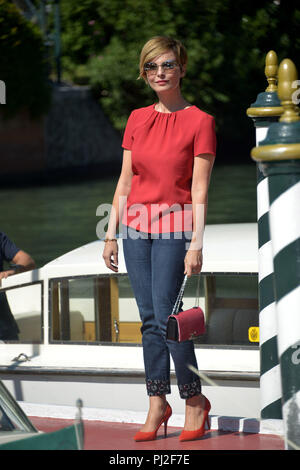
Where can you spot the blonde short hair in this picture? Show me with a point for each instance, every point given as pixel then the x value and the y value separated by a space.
pixel 159 45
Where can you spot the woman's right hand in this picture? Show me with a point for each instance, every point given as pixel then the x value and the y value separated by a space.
pixel 110 255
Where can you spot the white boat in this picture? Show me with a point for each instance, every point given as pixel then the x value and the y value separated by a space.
pixel 79 330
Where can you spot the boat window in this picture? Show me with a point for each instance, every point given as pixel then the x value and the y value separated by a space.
pixel 230 303
pixel 21 313
pixel 93 309
pixel 103 309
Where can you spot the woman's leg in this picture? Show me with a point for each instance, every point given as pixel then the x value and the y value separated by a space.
pixel 137 253
pixel 168 273
pixel 155 276
pixel 167 276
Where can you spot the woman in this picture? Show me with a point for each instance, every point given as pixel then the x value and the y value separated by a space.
pixel 169 150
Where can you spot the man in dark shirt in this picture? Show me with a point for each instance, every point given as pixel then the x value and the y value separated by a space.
pixel 21 262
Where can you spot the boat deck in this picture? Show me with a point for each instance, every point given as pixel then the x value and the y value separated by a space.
pixel 101 435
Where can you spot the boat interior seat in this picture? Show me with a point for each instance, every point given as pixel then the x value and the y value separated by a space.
pixel 230 325
pixel 76 325
pixel 29 325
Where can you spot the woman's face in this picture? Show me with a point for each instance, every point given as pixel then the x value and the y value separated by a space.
pixel 164 78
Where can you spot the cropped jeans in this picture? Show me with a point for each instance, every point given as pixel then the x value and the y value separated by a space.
pixel 155 268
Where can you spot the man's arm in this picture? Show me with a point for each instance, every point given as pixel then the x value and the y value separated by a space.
pixel 22 261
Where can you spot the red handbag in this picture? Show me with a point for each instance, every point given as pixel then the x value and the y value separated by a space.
pixel 187 324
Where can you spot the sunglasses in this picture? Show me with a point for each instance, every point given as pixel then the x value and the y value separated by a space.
pixel 152 67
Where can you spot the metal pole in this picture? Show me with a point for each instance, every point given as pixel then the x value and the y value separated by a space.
pixel 264 112
pixel 279 158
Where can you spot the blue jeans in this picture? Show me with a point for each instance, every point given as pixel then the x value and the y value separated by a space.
pixel 155 268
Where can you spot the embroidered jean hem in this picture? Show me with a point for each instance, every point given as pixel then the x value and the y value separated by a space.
pixel 190 390
pixel 157 387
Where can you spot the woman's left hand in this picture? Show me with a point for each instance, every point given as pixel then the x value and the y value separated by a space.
pixel 193 262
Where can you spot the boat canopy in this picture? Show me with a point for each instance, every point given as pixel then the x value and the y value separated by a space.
pixel 227 248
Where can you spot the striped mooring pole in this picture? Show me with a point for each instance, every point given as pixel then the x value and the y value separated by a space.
pixel 266 110
pixel 279 158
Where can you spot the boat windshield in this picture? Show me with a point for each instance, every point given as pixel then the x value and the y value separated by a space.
pixel 12 417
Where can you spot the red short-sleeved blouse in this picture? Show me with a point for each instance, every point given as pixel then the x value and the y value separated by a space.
pixel 163 147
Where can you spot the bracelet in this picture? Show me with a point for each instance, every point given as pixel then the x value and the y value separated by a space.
pixel 110 240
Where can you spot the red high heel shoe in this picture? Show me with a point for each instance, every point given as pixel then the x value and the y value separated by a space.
pixel 150 436
pixel 192 435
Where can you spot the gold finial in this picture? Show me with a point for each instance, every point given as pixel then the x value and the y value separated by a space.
pixel 287 74
pixel 271 71
pixel 267 104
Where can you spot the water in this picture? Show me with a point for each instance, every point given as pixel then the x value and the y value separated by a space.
pixel 47 221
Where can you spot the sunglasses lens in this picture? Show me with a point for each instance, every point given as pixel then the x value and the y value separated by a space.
pixel 151 67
